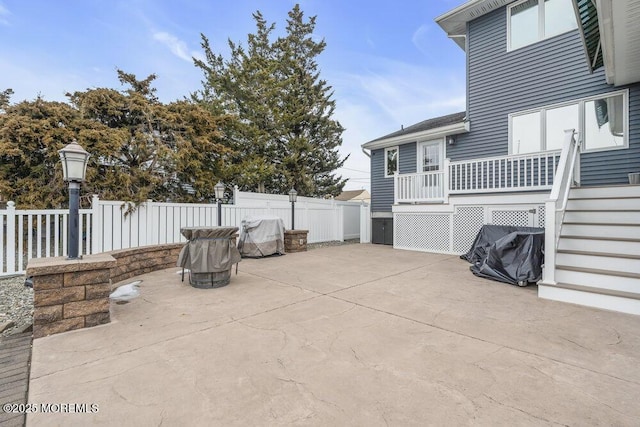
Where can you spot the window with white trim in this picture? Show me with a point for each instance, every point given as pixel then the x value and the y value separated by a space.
pixel 602 122
pixel 390 161
pixel 530 21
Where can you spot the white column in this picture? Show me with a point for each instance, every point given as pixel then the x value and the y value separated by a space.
pixel 549 272
pixel 446 180
pixel 395 188
pixel 11 238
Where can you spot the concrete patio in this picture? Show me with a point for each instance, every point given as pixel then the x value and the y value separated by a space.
pixel 348 335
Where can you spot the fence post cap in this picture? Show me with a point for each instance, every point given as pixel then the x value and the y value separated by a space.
pixel 11 204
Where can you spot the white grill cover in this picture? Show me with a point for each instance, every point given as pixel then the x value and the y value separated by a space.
pixel 261 236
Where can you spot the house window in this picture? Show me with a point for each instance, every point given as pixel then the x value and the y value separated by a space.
pixel 602 121
pixel 557 120
pixel 530 21
pixel 525 134
pixel 390 161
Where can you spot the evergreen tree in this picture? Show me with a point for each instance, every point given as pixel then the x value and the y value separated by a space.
pixel 140 148
pixel 285 136
pixel 31 133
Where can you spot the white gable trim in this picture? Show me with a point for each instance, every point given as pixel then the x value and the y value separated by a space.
pixel 435 133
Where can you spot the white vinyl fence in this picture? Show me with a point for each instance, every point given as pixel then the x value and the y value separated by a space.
pixel 107 226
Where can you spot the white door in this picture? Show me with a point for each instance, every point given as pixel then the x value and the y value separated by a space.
pixel 430 156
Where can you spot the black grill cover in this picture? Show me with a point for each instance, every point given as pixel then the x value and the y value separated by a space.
pixel 513 255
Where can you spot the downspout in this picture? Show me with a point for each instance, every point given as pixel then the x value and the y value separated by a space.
pixel 365 153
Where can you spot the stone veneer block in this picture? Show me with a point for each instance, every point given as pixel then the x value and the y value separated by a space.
pixel 101 290
pixel 82 278
pixel 84 308
pixel 57 327
pixel 47 314
pixel 48 281
pixel 57 296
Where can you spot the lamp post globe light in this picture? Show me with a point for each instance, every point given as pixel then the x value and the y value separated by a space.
pixel 219 193
pixel 293 195
pixel 74 167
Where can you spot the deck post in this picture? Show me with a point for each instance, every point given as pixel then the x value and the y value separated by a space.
pixel 446 180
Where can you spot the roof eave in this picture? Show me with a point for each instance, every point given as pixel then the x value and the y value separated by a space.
pixel 439 132
pixel 454 22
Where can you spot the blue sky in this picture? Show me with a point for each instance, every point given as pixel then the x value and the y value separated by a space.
pixel 389 63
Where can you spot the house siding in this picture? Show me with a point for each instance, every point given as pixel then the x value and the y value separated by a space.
pixel 381 186
pixel 547 72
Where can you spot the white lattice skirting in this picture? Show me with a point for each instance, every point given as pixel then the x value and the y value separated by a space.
pixel 453 233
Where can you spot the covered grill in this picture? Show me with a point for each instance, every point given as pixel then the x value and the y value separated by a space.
pixel 513 255
pixel 261 236
pixel 209 255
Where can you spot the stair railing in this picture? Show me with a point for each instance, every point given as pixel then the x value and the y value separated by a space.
pixel 567 175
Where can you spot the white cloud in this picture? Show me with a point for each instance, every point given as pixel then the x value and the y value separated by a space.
pixel 178 47
pixel 4 14
pixel 409 93
pixel 420 39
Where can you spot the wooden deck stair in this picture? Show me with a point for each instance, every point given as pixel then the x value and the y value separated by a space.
pixel 598 256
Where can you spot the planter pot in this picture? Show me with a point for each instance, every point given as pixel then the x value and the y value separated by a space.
pixel 634 178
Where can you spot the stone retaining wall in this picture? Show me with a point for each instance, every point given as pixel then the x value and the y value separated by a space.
pixel 74 294
pixel 145 259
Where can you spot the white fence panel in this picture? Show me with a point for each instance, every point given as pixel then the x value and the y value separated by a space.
pixel 27 234
pixel 112 225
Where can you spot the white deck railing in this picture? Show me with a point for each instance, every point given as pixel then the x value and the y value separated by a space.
pixel 26 234
pixel 568 174
pixel 417 187
pixel 524 172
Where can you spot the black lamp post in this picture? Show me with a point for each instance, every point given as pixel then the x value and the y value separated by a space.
pixel 219 191
pixel 293 195
pixel 74 167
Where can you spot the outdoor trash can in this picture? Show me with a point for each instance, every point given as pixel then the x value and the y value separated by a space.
pixel 209 255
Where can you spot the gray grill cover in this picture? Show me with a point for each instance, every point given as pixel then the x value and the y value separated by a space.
pixel 209 249
pixel 261 236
